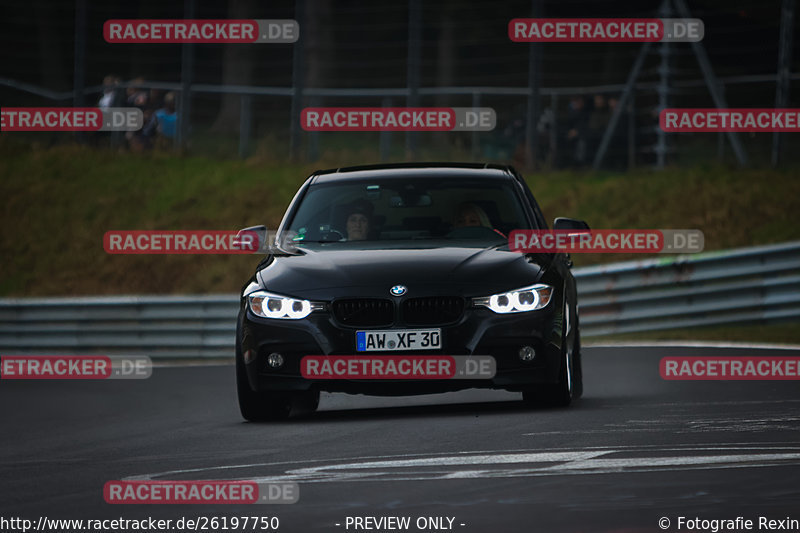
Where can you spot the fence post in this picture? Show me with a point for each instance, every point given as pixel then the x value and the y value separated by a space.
pixel 412 76
pixel 187 66
pixel 632 131
pixel 118 137
pixel 475 136
pixel 245 124
pixel 554 131
pixel 721 136
pixel 79 70
pixel 385 136
pixel 298 82
pixel 313 137
pixel 664 78
pixel 534 82
pixel 784 70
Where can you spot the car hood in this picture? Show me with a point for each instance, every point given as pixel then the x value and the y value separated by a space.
pixel 371 273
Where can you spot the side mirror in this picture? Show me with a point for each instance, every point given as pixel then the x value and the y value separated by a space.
pixel 570 224
pixel 253 238
pixel 562 223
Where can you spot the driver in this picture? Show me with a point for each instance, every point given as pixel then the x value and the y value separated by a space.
pixel 359 220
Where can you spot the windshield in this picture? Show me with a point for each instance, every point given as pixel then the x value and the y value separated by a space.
pixel 474 212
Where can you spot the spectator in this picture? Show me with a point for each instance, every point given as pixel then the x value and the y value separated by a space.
pixel 577 131
pixel 108 98
pixel 138 96
pixel 167 117
pixel 155 99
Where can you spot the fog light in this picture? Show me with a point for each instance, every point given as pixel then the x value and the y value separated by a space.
pixel 275 360
pixel 527 353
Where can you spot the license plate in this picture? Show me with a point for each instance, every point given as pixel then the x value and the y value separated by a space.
pixel 398 339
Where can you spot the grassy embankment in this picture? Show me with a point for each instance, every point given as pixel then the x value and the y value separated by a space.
pixel 60 200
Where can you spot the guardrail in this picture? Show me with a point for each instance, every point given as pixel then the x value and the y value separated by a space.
pixel 158 326
pixel 755 285
pixel 751 285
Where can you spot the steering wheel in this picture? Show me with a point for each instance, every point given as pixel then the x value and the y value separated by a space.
pixel 332 235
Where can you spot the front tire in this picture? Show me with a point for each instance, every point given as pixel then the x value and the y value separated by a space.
pixel 570 377
pixel 577 378
pixel 554 394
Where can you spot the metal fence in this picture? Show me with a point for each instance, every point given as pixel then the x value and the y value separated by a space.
pixel 415 53
pixel 629 143
pixel 747 285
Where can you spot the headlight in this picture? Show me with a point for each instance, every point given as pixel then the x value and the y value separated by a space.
pixel 519 300
pixel 268 305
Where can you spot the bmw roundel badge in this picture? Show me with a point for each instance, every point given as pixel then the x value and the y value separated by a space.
pixel 398 290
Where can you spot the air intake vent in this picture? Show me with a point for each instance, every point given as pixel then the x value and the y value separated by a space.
pixel 433 311
pixel 364 312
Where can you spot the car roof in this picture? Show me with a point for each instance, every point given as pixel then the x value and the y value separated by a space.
pixel 415 170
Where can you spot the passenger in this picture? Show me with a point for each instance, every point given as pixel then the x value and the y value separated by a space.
pixel 469 214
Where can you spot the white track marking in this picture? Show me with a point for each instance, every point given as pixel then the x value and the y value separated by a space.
pixel 614 460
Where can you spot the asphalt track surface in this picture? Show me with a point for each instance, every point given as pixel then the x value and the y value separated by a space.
pixel 635 449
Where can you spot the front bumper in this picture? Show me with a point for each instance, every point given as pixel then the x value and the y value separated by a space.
pixel 480 331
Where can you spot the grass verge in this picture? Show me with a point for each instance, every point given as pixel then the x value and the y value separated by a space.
pixel 59 201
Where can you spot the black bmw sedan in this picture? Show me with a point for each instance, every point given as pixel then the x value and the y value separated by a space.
pixel 413 261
